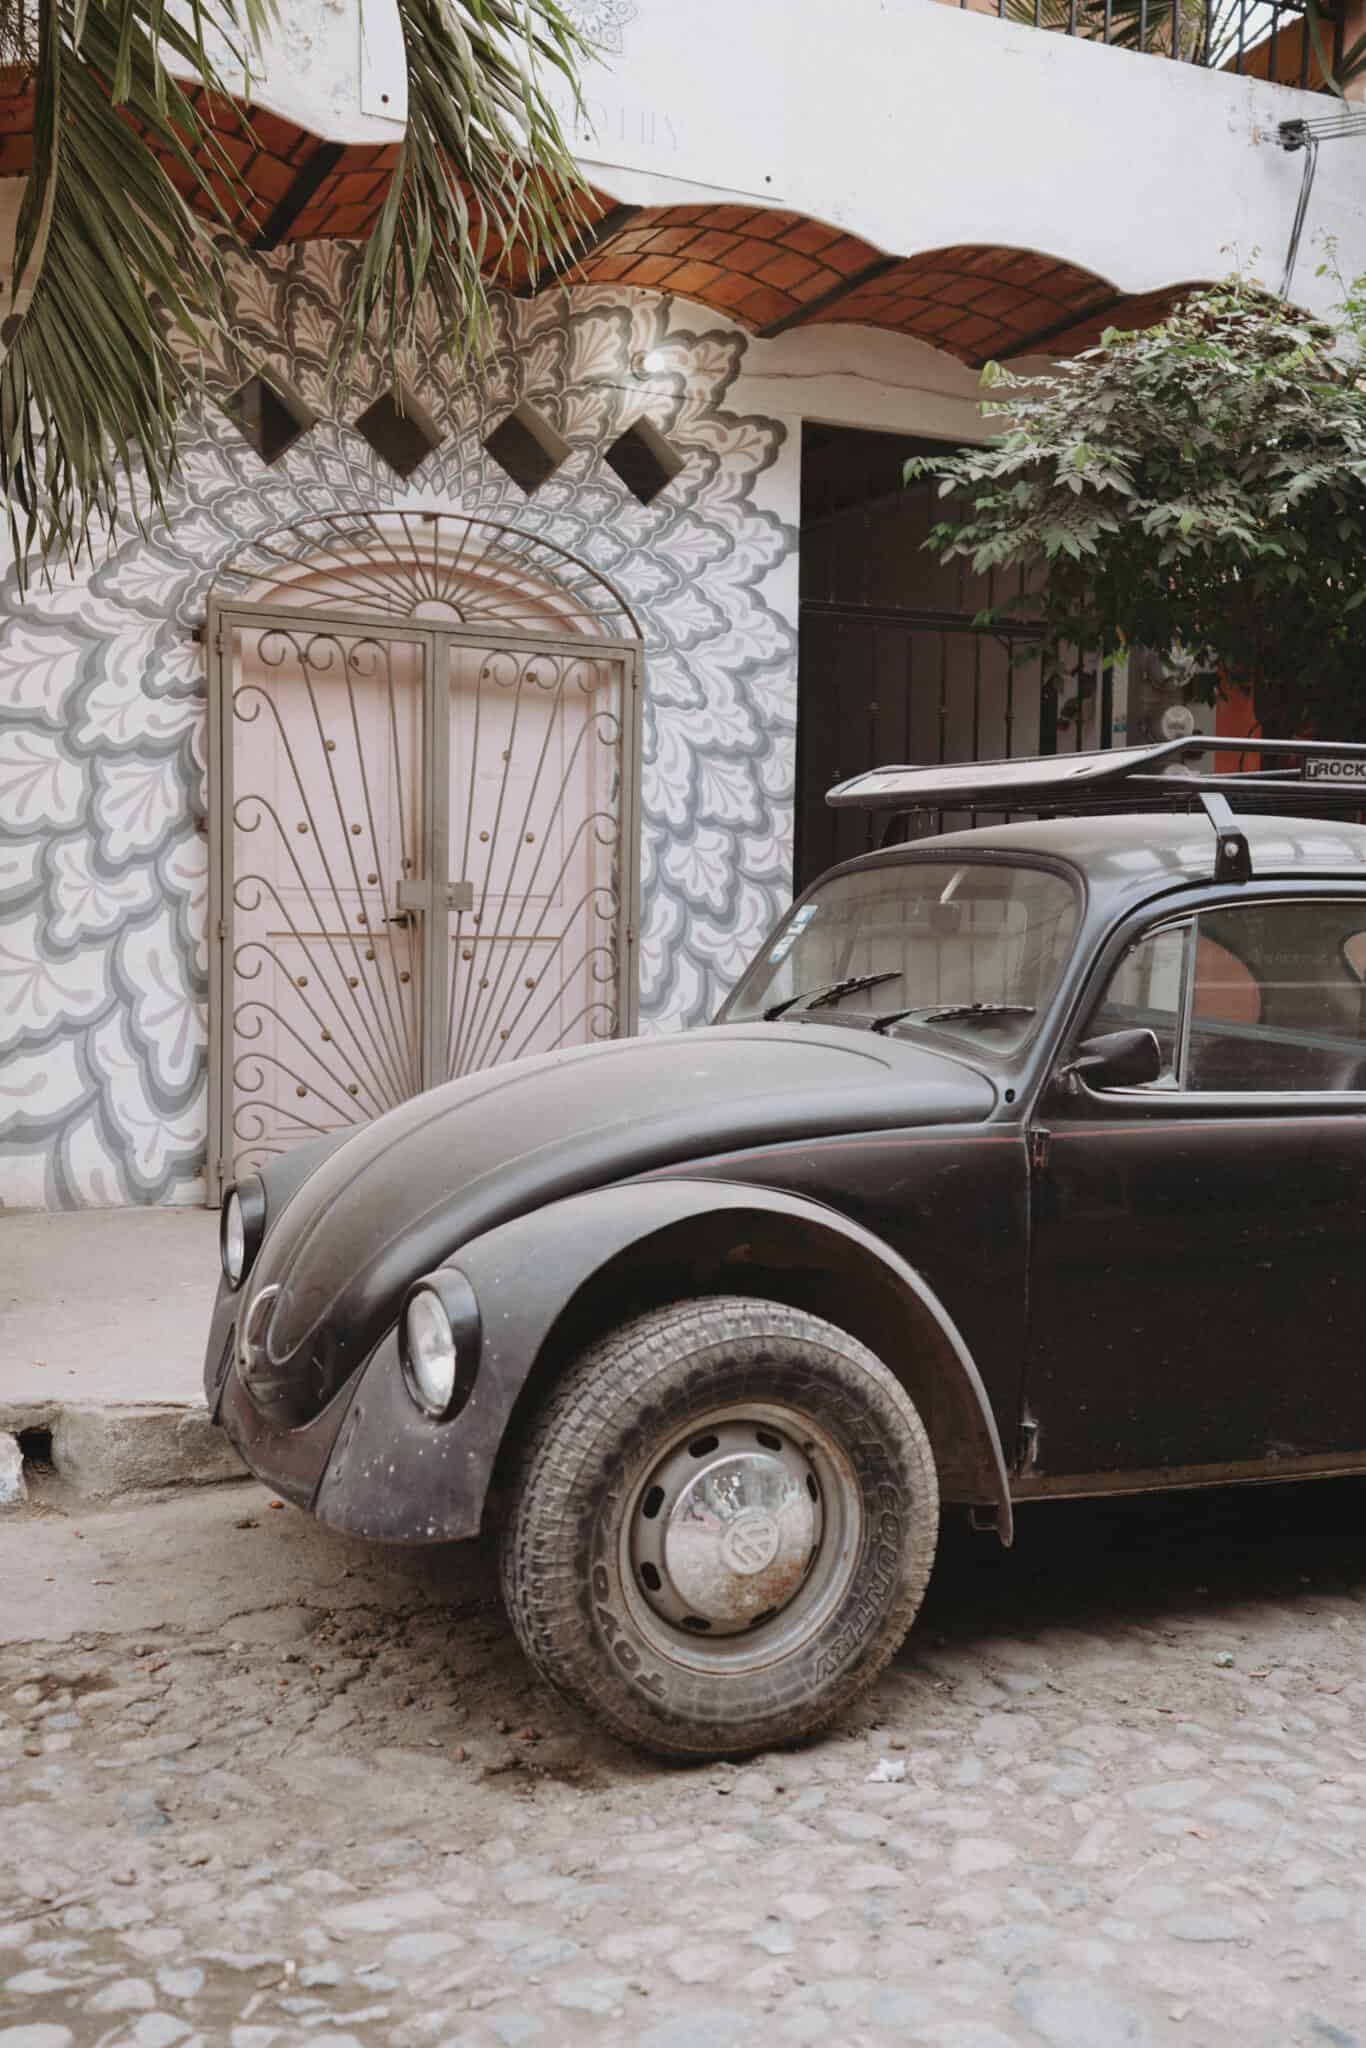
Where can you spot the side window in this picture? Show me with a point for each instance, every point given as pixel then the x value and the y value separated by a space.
pixel 1279 1000
pixel 1148 989
pixel 1224 988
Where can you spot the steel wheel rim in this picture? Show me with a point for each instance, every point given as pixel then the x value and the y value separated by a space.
pixel 741 1537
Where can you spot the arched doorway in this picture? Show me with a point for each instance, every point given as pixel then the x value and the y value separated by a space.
pixel 423 761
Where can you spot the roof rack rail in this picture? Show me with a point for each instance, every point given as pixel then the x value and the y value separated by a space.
pixel 1318 774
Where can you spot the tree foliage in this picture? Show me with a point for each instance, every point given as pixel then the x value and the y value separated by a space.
pixel 1198 487
pixel 125 274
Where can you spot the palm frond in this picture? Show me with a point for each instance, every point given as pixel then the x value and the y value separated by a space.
pixel 92 385
pixel 127 279
pixel 483 168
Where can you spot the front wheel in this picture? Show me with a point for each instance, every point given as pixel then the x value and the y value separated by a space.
pixel 722 1527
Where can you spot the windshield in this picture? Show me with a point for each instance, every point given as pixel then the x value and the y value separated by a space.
pixel 970 948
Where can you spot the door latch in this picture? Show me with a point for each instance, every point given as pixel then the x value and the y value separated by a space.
pixel 412 896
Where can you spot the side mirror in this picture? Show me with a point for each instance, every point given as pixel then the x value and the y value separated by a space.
pixel 1117 1059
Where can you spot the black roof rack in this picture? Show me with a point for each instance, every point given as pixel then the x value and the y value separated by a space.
pixel 1318 775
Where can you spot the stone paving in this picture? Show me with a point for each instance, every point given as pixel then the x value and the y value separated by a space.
pixel 1122 1801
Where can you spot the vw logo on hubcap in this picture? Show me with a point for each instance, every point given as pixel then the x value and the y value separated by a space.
pixel 750 1544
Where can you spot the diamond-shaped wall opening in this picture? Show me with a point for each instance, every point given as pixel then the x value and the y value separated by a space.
pixel 644 460
pixel 526 447
pixel 270 416
pixel 400 430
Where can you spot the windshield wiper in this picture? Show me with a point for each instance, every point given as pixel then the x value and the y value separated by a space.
pixel 953 1013
pixel 829 992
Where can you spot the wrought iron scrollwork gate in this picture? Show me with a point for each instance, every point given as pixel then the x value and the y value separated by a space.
pixel 424 857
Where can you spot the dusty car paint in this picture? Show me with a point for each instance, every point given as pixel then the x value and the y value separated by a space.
pixel 1117 1289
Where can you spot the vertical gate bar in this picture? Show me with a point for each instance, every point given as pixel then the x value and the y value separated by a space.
pixel 465 953
pixel 943 692
pixel 976 695
pixel 1107 706
pixel 418 798
pixel 1010 700
pixel 628 948
pixel 835 821
pixel 436 851
pixel 804 665
pixel 1048 716
pixel 872 673
pixel 908 722
pixel 219 825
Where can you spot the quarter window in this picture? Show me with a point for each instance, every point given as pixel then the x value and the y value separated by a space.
pixel 1256 998
pixel 1148 990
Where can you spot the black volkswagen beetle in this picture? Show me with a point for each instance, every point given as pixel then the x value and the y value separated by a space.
pixel 1024 1161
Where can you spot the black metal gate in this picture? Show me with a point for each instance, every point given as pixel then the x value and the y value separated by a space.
pixel 893 666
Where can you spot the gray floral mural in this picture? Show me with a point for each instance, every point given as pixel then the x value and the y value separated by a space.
pixel 103 848
pixel 602 21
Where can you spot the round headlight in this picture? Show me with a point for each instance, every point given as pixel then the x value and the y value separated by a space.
pixel 234 1240
pixel 241 1227
pixel 429 1351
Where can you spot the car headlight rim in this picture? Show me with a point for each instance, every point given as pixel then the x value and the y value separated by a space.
pixel 241 1227
pixel 439 1338
pixel 234 1242
pixel 429 1351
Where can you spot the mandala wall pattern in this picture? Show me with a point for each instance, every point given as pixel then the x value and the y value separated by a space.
pixel 600 22
pixel 103 848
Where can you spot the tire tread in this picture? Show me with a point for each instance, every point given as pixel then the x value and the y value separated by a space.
pixel 635 1370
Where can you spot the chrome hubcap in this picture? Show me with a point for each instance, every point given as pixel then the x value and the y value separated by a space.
pixel 729 1527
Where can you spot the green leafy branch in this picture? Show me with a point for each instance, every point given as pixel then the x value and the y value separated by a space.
pixel 1199 486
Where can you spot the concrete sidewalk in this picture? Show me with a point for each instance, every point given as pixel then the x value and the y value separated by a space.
pixel 103 1315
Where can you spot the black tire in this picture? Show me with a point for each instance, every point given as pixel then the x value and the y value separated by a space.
pixel 851 1568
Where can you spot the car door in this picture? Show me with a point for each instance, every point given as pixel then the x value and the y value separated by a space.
pixel 1198 1249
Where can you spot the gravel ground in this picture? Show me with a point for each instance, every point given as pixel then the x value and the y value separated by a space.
pixel 262 1787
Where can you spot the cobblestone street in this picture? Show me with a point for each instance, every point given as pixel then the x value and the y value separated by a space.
pixel 264 1787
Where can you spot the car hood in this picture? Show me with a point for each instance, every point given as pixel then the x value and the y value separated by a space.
pixel 402 1194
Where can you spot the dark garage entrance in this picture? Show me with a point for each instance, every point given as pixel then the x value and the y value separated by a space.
pixel 891 665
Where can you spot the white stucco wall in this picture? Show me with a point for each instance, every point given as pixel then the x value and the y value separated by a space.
pixel 912 124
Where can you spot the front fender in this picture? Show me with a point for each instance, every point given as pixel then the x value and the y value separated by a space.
pixel 396 1475
pixel 282 1177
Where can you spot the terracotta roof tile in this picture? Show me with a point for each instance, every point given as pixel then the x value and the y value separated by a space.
pixel 764 304
pixel 812 237
pixel 729 293
pixel 649 270
pixel 788 270
pixel 755 263
pixel 694 280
